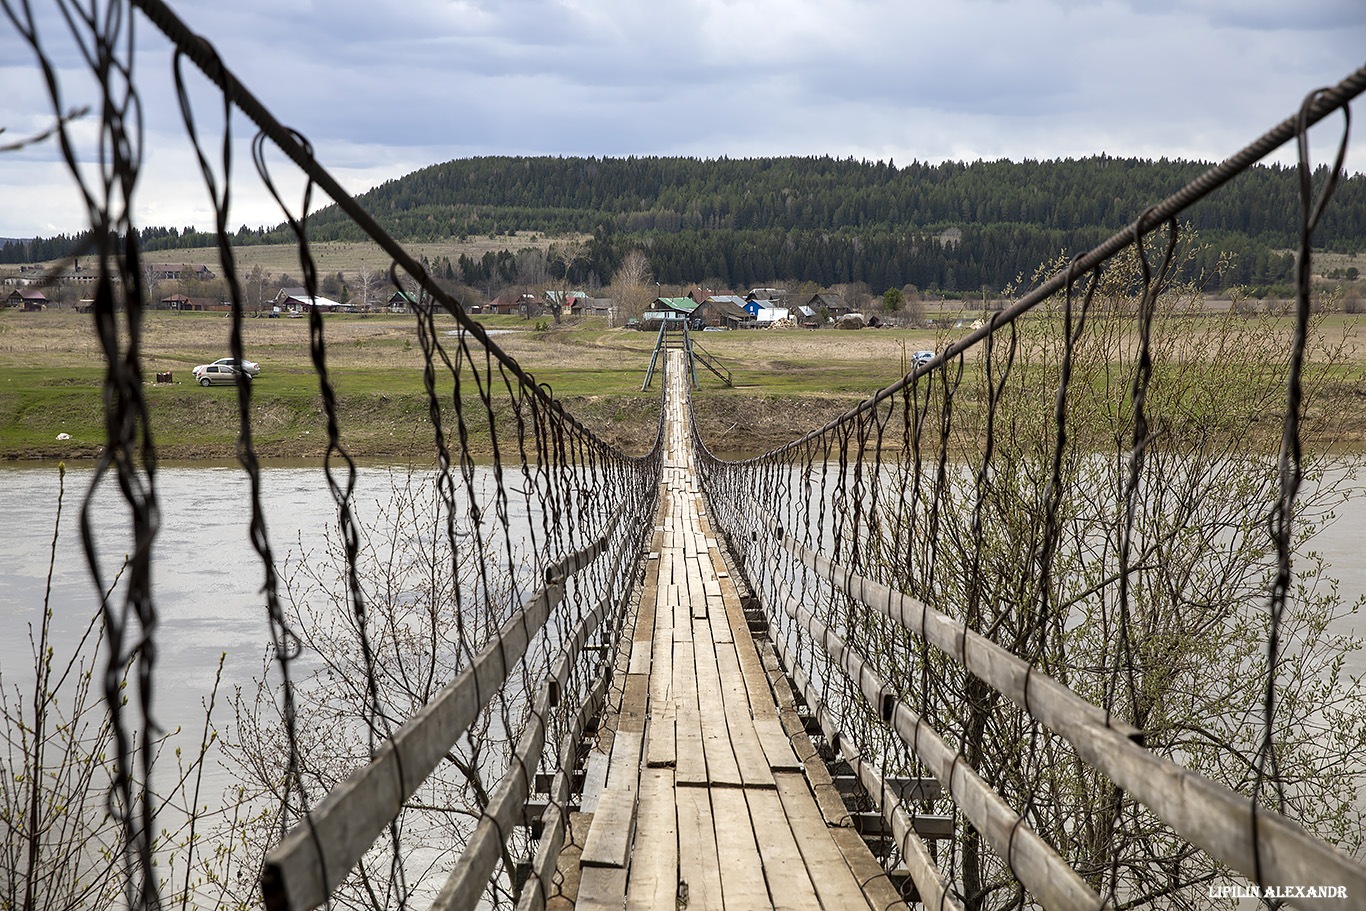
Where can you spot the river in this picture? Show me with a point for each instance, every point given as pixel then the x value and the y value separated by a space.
pixel 207 577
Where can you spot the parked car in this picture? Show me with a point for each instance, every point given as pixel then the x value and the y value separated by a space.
pixel 921 358
pixel 249 367
pixel 216 373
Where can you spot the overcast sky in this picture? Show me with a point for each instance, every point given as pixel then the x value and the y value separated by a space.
pixel 382 89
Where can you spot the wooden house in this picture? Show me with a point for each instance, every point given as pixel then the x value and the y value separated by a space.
pixel 27 300
pixel 723 311
pixel 833 303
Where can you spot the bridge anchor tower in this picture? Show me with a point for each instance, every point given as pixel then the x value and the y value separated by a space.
pixel 674 335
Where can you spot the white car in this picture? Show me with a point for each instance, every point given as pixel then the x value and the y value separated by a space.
pixel 250 368
pixel 921 358
pixel 216 373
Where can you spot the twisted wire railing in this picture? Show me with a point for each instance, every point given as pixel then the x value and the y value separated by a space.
pixel 1021 572
pixel 539 524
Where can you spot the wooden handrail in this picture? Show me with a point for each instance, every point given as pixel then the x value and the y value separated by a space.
pixel 317 854
pixel 1033 860
pixel 467 880
pixel 1210 816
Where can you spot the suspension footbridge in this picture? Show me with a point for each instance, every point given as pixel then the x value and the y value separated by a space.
pixel 899 660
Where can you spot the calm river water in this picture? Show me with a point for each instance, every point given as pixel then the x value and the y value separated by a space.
pixel 208 578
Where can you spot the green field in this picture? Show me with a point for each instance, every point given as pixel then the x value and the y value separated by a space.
pixel 786 382
pixel 52 379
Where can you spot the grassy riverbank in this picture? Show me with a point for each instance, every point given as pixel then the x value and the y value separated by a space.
pixel 786 382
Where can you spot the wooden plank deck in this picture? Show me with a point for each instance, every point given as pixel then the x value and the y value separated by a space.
pixel 713 809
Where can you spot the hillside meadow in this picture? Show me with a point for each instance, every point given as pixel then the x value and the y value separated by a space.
pixel 786 382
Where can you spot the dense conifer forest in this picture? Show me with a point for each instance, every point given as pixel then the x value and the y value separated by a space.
pixel 948 227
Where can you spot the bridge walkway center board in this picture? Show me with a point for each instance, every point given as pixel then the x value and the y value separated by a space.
pixel 701 800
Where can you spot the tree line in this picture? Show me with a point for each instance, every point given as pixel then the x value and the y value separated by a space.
pixel 950 227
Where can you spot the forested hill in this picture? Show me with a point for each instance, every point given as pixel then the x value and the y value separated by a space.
pixel 952 226
pixel 804 194
pixel 826 220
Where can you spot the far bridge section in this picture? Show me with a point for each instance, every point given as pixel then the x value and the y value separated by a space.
pixel 676 335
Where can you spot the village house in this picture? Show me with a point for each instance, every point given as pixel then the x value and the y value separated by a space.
pixel 777 295
pixel 808 318
pixel 297 300
pixel 662 308
pixel 401 302
pixel 722 311
pixel 833 303
pixel 26 300
pixel 503 305
pixel 564 300
pixel 523 305
pixel 592 306
pixel 78 276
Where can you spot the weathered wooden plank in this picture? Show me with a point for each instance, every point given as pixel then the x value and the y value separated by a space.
pixel 789 883
pixel 749 752
pixel 594 778
pixel 761 700
pixel 720 628
pixel 697 596
pixel 776 745
pixel 640 660
pixel 634 702
pixel 601 889
pixel 777 680
pixel 623 767
pixel 834 883
pixel 661 748
pixel 653 881
pixel 872 879
pixel 609 837
pixel 742 870
pixel 690 760
pixel 722 768
pixel 644 615
pixel 661 667
pixel 699 868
